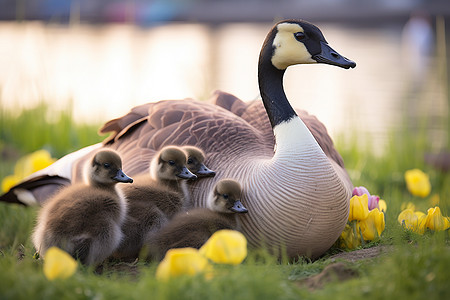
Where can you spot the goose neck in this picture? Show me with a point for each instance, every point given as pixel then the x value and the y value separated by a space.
pixel 270 81
pixel 291 134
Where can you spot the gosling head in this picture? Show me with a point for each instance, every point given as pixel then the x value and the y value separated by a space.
pixel 293 42
pixel 106 169
pixel 195 162
pixel 226 196
pixel 170 164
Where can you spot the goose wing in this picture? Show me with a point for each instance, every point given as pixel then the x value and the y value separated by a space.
pixel 149 127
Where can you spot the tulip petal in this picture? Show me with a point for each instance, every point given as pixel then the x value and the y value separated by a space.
pixel 435 221
pixel 418 183
pixel 382 205
pixel 58 264
pixel 9 181
pixel 359 208
pixel 40 159
pixel 226 247
pixel 373 226
pixel 408 219
pixel 359 191
pixel 181 261
pixel 350 237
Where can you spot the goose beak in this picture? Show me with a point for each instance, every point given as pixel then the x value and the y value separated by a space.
pixel 205 172
pixel 238 207
pixel 186 174
pixel 122 177
pixel 331 57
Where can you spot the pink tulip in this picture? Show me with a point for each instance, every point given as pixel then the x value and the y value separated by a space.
pixel 359 191
pixel 373 202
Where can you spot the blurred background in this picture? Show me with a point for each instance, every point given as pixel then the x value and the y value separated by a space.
pixel 98 59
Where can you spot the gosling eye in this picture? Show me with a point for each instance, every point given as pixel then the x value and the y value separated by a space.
pixel 299 36
pixel 107 165
pixel 190 161
pixel 225 196
pixel 171 162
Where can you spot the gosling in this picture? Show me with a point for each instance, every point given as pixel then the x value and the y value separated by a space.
pixel 196 162
pixel 194 227
pixel 85 219
pixel 153 199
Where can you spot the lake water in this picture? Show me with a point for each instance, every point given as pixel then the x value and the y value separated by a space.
pixel 106 70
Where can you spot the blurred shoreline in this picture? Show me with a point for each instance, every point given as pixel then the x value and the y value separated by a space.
pixel 151 12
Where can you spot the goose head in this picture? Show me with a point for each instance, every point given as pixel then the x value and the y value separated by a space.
pixel 106 169
pixel 195 162
pixel 294 42
pixel 170 164
pixel 288 43
pixel 225 197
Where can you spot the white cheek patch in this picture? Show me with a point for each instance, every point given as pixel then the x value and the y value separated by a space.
pixel 288 51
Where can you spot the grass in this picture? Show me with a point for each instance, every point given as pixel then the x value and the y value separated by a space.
pixel 416 268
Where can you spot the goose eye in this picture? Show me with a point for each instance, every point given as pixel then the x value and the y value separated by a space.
pixel 190 161
pixel 171 162
pixel 225 196
pixel 299 36
pixel 107 165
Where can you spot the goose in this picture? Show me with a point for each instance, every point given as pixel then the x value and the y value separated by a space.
pixel 195 162
pixel 153 199
pixel 194 227
pixel 85 219
pixel 294 181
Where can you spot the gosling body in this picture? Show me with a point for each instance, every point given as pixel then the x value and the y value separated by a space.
pixel 85 219
pixel 194 227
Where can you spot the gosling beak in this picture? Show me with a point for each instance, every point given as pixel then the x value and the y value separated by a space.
pixel 122 177
pixel 331 57
pixel 205 172
pixel 238 207
pixel 186 174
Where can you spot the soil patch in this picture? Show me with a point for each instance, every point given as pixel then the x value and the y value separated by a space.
pixel 335 272
pixel 363 253
pixel 342 271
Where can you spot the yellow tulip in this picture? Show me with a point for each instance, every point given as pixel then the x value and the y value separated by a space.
pixel 181 261
pixel 435 221
pixel 33 162
pixel 418 183
pixel 349 239
pixel 408 219
pixel 359 208
pixel 382 205
pixel 225 247
pixel 9 181
pixel 421 222
pixel 41 159
pixel 373 226
pixel 58 264
pixel 413 220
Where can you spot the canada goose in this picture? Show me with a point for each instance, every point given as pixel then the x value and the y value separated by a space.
pixel 85 219
pixel 294 180
pixel 153 199
pixel 194 227
pixel 195 162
